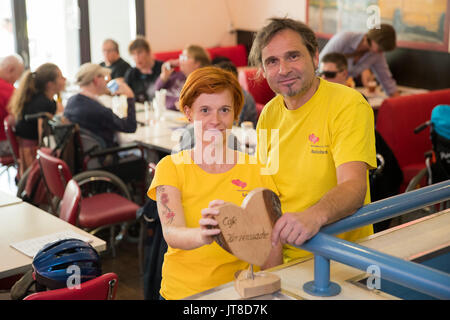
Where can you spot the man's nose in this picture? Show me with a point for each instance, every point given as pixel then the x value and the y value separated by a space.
pixel 285 67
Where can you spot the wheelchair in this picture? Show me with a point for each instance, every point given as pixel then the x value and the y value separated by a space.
pixel 95 168
pixel 437 160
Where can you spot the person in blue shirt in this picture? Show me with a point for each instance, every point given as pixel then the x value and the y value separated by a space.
pixel 366 51
pixel 86 110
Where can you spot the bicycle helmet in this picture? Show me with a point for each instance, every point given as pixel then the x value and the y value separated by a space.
pixel 51 262
pixel 440 118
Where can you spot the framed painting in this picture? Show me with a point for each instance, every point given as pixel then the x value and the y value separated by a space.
pixel 420 24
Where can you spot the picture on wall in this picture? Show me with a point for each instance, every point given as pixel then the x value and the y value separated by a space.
pixel 420 24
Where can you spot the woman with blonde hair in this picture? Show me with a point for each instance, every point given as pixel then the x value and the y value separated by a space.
pixel 192 58
pixel 35 94
pixel 187 183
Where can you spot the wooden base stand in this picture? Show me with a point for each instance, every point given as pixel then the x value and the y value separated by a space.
pixel 262 283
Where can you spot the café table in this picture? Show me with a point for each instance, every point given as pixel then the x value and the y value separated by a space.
pixel 23 221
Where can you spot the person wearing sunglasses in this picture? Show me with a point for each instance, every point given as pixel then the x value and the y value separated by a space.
pixel 366 51
pixel 333 67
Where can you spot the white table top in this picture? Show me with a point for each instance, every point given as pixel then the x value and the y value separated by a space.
pixel 377 97
pixel 163 134
pixel 7 199
pixel 23 221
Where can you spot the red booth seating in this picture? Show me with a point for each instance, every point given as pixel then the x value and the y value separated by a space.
pixel 237 54
pixel 256 86
pixel 396 120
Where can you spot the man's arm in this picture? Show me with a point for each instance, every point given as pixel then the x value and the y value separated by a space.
pixel 341 201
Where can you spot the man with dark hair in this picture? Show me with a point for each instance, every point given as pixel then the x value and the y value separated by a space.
pixel 316 137
pixel 366 51
pixel 142 78
pixel 113 60
pixel 333 67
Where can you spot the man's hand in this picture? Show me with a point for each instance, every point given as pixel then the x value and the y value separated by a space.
pixel 296 227
pixel 341 201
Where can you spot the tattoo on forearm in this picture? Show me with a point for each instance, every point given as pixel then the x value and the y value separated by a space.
pixel 164 199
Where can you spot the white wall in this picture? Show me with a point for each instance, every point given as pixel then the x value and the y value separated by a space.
pixel 173 24
pixel 111 19
pixel 251 15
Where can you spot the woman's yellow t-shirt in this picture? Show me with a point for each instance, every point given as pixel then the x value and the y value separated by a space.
pixel 303 147
pixel 187 272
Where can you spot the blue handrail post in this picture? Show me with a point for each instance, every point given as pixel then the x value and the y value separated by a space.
pixel 321 286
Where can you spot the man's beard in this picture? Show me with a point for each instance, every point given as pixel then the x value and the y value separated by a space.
pixel 306 86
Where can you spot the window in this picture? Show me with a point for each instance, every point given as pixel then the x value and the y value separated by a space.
pixel 53 34
pixel 8 45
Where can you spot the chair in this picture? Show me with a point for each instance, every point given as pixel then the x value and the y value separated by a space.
pixel 13 159
pixel 100 288
pixel 97 210
pixel 396 120
pixel 257 87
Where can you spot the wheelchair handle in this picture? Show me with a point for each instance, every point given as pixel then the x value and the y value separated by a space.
pixel 37 115
pixel 422 126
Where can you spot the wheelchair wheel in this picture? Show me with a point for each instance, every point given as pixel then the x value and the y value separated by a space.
pixel 22 183
pixel 419 180
pixel 98 181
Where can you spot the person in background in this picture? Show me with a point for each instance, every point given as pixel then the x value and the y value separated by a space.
pixel 85 109
pixel 113 60
pixel 187 185
pixel 248 112
pixel 11 68
pixel 320 140
pixel 192 58
pixel 36 93
pixel 142 78
pixel 366 51
pixel 383 184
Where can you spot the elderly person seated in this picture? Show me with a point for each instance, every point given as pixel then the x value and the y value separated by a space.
pixel 113 60
pixel 86 110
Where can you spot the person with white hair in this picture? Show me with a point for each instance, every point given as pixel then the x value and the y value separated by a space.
pixel 11 68
pixel 89 113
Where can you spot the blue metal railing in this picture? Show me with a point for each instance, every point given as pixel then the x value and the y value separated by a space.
pixel 406 273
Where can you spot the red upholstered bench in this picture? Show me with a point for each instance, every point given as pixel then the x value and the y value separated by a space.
pixel 237 54
pixel 256 86
pixel 396 120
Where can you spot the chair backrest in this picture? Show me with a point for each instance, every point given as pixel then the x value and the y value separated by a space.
pixel 100 288
pixel 398 117
pixel 56 173
pixel 396 120
pixel 70 203
pixel 9 123
pixel 256 86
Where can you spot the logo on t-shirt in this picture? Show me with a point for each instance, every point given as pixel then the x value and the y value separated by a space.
pixel 242 185
pixel 313 138
pixel 316 148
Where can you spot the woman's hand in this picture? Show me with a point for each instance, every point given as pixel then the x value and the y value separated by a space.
pixel 124 88
pixel 166 71
pixel 208 225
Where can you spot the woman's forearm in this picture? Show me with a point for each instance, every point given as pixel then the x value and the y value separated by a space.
pixel 182 237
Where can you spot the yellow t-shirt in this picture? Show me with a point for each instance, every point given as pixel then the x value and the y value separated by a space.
pixel 187 272
pixel 334 127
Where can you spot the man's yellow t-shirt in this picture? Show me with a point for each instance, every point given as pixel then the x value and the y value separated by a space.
pixel 334 127
pixel 187 272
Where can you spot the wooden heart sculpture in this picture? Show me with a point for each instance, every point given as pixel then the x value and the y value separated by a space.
pixel 246 231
